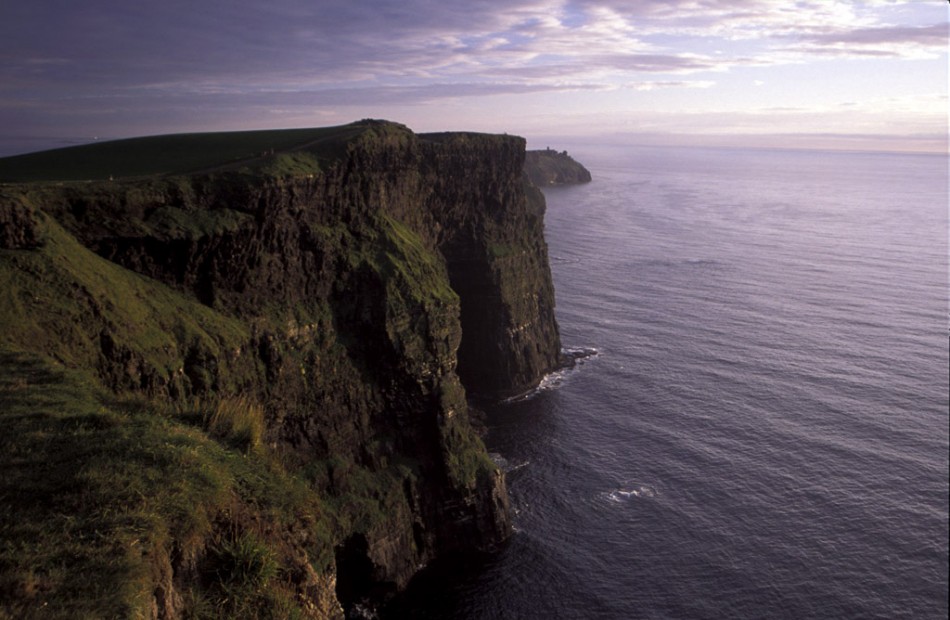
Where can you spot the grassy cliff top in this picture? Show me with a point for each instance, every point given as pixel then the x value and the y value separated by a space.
pixel 271 151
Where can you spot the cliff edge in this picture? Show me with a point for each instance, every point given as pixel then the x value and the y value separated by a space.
pixel 236 373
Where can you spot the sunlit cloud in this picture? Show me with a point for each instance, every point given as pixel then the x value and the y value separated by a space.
pixel 897 41
pixel 645 86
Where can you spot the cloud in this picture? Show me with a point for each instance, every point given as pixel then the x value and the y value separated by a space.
pixel 880 41
pixel 655 85
pixel 816 26
pixel 177 62
pixel 934 35
pixel 284 46
pixel 77 47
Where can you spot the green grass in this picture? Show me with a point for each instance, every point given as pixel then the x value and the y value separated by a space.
pixel 278 152
pixel 411 271
pixel 364 499
pixel 237 420
pixel 97 490
pixel 419 273
pixel 466 456
pixel 504 250
pixel 245 579
pixel 176 222
pixel 59 300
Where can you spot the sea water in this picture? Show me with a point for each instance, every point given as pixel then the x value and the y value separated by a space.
pixel 758 425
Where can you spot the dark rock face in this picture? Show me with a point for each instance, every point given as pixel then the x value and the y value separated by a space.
pixel 373 292
pixel 549 167
pixel 19 229
pixel 497 261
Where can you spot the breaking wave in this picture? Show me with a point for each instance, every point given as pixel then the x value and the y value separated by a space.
pixel 629 492
pixel 571 359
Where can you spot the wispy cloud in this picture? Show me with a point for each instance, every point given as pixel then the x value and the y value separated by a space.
pixel 933 35
pixel 118 44
pixel 655 85
pixel 896 41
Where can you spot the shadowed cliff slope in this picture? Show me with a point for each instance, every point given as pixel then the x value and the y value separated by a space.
pixel 247 372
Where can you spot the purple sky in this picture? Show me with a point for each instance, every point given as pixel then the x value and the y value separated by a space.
pixel 852 74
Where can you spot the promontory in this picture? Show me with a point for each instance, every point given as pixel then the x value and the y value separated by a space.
pixel 550 167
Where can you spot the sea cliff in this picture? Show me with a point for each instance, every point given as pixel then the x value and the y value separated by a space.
pixel 243 390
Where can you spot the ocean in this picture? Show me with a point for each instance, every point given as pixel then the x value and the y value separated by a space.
pixel 760 426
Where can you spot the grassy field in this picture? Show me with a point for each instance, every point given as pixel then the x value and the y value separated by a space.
pixel 289 149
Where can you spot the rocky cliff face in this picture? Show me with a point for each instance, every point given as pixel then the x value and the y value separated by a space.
pixel 370 292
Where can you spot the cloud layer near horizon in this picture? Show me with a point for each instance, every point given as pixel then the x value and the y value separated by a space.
pixel 68 68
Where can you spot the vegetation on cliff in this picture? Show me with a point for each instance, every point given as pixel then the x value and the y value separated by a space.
pixel 104 489
pixel 238 392
pixel 270 151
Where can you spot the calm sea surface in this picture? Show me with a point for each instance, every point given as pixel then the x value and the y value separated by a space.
pixel 763 431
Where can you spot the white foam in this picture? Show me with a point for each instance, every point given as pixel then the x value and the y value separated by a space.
pixel 579 353
pixel 629 492
pixel 504 464
pixel 498 460
pixel 554 380
pixel 518 466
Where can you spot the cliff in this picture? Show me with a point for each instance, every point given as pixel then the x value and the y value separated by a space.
pixel 242 390
pixel 550 167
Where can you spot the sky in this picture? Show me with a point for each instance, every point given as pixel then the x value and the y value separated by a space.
pixel 854 74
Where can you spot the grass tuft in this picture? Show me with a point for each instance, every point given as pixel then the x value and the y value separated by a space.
pixel 244 562
pixel 238 421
